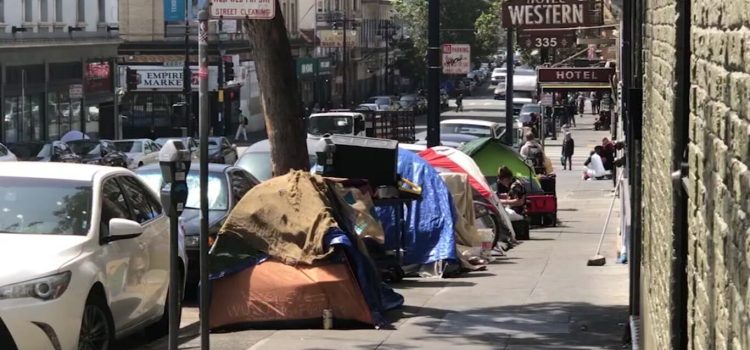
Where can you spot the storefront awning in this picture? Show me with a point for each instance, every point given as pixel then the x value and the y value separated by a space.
pixel 553 87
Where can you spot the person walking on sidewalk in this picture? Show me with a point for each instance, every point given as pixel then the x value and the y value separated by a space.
pixel 242 129
pixel 568 147
pixel 460 102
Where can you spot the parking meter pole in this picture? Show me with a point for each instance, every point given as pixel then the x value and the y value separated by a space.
pixel 174 160
pixel 204 125
pixel 433 73
pixel 510 56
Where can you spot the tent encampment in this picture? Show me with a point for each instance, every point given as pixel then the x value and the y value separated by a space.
pixel 286 253
pixel 491 154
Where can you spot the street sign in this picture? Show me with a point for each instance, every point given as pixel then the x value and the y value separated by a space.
pixel 75 90
pixel 575 75
pixel 547 100
pixel 243 9
pixel 456 58
pixel 333 38
pixel 538 14
pixel 536 39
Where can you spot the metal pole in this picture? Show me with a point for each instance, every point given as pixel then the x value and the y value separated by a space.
pixel 204 125
pixel 187 74
pixel 433 73
pixel 174 282
pixel 386 77
pixel 509 87
pixel 346 62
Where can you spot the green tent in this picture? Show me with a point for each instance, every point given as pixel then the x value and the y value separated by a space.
pixel 490 154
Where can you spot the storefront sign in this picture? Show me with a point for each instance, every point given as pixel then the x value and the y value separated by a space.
pixel 174 10
pixel 75 91
pixel 306 68
pixel 536 14
pixel 97 77
pixel 332 38
pixel 159 78
pixel 324 66
pixel 575 75
pixel 536 39
pixel 243 9
pixel 456 58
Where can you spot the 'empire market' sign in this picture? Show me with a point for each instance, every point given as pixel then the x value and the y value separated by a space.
pixel 575 75
pixel 537 14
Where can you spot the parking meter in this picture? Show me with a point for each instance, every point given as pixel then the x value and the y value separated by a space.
pixel 174 159
pixel 324 150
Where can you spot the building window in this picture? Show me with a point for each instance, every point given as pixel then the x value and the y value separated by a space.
pixel 58 11
pixel 44 10
pixel 28 11
pixel 293 15
pixel 2 11
pixel 102 11
pixel 81 11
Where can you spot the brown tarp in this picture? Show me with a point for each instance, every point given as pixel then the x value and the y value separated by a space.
pixel 467 236
pixel 285 217
pixel 273 291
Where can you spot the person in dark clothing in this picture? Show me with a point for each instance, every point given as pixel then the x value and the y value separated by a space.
pixel 460 103
pixel 511 191
pixel 568 147
pixel 152 133
pixel 608 153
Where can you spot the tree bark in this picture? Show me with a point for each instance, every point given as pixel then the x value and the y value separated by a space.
pixel 280 100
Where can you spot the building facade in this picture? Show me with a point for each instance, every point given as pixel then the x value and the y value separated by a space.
pixel 57 65
pixel 694 258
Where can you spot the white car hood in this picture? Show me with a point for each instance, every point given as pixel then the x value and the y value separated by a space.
pixel 28 256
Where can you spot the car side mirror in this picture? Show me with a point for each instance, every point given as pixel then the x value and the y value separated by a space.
pixel 120 229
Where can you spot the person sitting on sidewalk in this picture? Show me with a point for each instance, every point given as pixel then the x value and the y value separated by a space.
pixel 512 194
pixel 595 166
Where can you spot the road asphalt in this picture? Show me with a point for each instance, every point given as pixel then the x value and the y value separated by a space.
pixel 540 296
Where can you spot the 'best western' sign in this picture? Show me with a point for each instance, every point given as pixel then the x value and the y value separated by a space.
pixel 535 14
pixel 575 75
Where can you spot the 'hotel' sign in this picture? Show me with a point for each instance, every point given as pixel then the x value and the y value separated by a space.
pixel 575 75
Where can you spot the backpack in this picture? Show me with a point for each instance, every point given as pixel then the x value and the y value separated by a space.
pixel 535 158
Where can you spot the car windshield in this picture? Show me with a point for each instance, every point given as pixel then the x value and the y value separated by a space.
pixel 524 72
pixel 378 101
pixel 259 164
pixel 213 143
pixel 466 129
pixel 85 147
pixel 218 197
pixel 31 150
pixel 332 124
pixel 531 109
pixel 129 146
pixel 408 98
pixel 45 206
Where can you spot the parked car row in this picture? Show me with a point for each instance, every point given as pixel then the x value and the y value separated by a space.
pixel 131 154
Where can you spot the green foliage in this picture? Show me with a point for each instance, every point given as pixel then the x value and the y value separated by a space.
pixel 489 33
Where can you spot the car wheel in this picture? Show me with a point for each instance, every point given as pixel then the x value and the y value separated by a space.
pixel 161 328
pixel 97 327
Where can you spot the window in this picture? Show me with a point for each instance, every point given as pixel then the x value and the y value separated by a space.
pixel 43 11
pixel 102 11
pixel 241 184
pixel 2 11
pixel 3 151
pixel 114 206
pixel 138 197
pixel 81 11
pixel 58 11
pixel 28 11
pixel 293 18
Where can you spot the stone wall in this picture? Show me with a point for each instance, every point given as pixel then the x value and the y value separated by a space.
pixel 658 96
pixel 719 257
pixel 719 180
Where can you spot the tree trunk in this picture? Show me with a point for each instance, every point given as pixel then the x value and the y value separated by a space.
pixel 281 104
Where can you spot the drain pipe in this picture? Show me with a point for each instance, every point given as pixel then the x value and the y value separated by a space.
pixel 680 138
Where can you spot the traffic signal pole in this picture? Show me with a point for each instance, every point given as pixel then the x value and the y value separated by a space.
pixel 433 73
pixel 510 56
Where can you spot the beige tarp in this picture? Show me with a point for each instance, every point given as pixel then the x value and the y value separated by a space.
pixel 467 236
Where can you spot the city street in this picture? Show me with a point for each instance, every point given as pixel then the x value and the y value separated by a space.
pixel 540 296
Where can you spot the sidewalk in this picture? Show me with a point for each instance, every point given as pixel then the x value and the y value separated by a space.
pixel 540 296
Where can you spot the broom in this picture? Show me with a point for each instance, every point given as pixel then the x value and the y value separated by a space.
pixel 598 259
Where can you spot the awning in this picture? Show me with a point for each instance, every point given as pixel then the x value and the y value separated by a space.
pixel 553 87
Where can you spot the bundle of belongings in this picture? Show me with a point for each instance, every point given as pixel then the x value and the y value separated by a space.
pixel 291 251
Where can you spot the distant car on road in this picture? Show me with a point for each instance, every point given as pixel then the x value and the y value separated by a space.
pixel 189 142
pixel 55 151
pixel 451 140
pixel 6 155
pixel 227 184
pixel 413 102
pixel 221 151
pixel 367 107
pixel 140 152
pixel 257 158
pixel 384 103
pixel 84 257
pixel 102 152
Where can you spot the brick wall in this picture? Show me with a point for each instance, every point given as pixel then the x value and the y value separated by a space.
pixel 659 62
pixel 719 180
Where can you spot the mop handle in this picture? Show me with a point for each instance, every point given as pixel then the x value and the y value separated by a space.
pixel 609 214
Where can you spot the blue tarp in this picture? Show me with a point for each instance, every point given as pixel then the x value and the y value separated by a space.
pixel 428 234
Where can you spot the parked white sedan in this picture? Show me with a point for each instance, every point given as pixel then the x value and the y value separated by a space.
pixel 6 155
pixel 139 151
pixel 84 256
